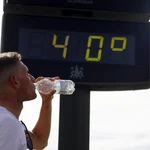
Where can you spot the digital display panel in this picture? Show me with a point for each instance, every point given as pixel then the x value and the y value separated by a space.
pixel 77 46
pixel 142 6
pixel 95 53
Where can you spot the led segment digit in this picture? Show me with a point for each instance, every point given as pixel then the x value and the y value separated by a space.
pixel 99 54
pixel 61 46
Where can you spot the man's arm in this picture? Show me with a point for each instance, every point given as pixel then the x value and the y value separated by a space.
pixel 41 131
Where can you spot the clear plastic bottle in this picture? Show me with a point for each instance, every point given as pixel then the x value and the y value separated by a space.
pixel 65 87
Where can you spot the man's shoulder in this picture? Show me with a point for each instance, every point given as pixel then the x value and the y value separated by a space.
pixel 12 136
pixel 7 119
pixel 8 123
pixel 9 127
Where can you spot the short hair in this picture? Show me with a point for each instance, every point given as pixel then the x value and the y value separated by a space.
pixel 8 63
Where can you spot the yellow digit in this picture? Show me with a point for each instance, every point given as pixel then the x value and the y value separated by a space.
pixel 61 46
pixel 124 44
pixel 99 55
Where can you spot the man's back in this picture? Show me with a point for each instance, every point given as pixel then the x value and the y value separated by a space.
pixel 12 136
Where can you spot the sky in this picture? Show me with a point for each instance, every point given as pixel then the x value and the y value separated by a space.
pixel 119 120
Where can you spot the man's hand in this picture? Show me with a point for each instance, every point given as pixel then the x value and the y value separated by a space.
pixel 52 79
pixel 50 95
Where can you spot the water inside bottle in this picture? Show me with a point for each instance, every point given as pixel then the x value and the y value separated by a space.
pixel 66 87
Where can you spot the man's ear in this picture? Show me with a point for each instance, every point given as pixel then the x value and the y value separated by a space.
pixel 14 81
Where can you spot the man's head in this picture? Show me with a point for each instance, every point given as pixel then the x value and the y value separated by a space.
pixel 14 77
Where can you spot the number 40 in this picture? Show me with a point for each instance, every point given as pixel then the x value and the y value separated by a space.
pixel 89 43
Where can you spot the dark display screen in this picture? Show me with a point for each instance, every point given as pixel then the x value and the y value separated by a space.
pixel 77 46
pixel 93 52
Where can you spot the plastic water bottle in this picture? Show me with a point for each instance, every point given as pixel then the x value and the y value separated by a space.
pixel 65 87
